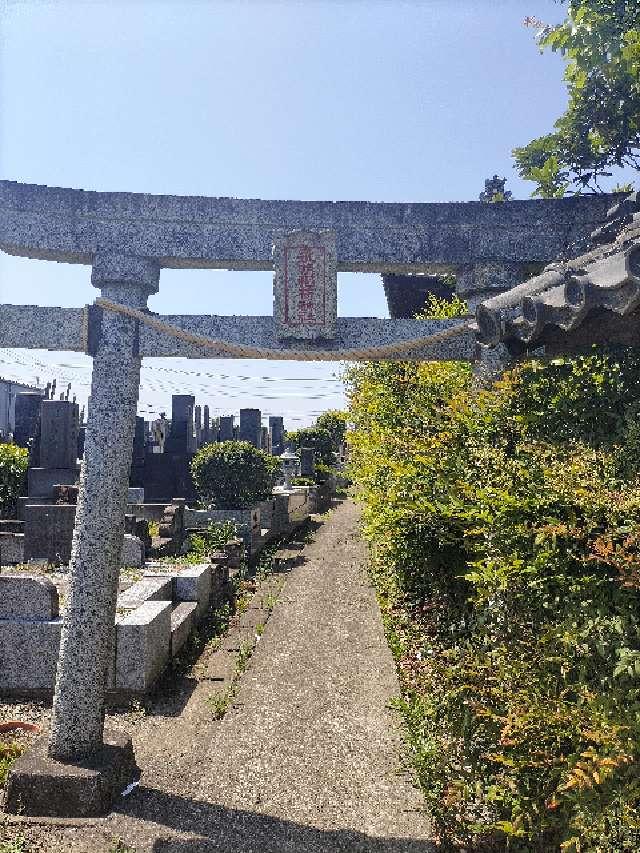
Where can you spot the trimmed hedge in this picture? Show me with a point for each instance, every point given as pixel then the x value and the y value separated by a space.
pixel 504 529
pixel 233 474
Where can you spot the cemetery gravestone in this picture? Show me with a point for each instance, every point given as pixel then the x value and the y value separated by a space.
pixel 307 462
pixel 226 428
pixel 276 429
pixel 59 434
pixel 27 422
pixel 251 426
pixel 181 438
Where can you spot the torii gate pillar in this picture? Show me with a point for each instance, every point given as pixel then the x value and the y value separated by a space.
pixel 87 634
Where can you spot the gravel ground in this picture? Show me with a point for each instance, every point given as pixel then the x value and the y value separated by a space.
pixel 307 759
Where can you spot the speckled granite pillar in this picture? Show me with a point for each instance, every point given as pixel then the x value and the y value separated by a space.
pixel 87 635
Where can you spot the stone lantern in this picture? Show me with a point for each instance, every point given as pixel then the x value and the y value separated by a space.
pixel 290 467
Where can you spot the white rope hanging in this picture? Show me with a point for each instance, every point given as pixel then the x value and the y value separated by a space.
pixel 242 351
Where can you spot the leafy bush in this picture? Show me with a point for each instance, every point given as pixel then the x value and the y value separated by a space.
pixel 316 438
pixel 323 472
pixel 504 527
pixel 335 422
pixel 303 481
pixel 14 461
pixel 233 474
pixel 212 538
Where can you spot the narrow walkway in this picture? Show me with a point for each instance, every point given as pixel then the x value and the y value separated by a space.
pixel 308 758
pixel 310 741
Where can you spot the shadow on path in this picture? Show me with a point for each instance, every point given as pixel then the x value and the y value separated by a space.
pixel 226 830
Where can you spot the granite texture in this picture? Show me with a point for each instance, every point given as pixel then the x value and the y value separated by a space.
pixel 351 333
pixel 143 640
pixel 42 327
pixel 48 531
pixel 28 655
pixel 11 548
pixel 305 285
pixel 43 787
pixel 87 637
pixel 194 584
pixel 25 597
pixel 181 231
pixel 183 618
pixel 132 551
pixel 150 588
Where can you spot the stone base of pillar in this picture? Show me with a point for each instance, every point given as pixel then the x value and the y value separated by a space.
pixel 40 786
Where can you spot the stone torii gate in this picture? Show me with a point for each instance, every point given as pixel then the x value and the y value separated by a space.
pixel 127 239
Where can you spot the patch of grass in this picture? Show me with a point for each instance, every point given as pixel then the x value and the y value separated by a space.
pixel 15 845
pixel 118 846
pixel 9 752
pixel 129 573
pixel 269 601
pixel 221 702
pixel 244 656
pixel 259 629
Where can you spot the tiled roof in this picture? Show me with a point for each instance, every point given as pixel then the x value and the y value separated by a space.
pixel 603 276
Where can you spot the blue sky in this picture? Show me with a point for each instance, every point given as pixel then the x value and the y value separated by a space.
pixel 383 100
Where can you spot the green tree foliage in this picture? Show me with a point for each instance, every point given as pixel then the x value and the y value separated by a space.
pixel 600 41
pixel 318 439
pixel 335 422
pixel 14 461
pixel 233 474
pixel 504 527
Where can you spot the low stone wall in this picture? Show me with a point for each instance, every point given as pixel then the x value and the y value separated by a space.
pixel 247 522
pixel 154 619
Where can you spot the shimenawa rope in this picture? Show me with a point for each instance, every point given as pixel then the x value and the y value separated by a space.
pixel 241 351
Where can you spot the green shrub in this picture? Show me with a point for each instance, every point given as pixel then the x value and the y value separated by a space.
pixel 302 481
pixel 504 527
pixel 212 538
pixel 14 461
pixel 315 438
pixel 323 472
pixel 233 474
pixel 335 422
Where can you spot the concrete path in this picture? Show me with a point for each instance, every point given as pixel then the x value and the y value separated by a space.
pixel 308 758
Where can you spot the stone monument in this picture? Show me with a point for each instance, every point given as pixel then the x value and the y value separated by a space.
pixel 305 285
